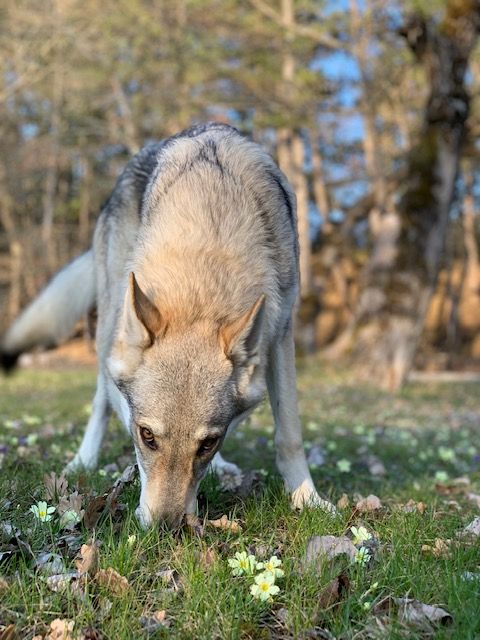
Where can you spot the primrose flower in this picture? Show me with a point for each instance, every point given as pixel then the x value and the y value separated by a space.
pixel 446 454
pixel 344 465
pixel 69 518
pixel 272 566
pixel 242 563
pixel 42 511
pixel 441 476
pixel 360 535
pixel 264 587
pixel 362 556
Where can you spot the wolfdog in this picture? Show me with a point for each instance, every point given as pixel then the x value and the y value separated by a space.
pixel 194 273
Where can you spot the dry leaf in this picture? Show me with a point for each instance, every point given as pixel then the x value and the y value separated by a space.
pixel 151 623
pixel 90 633
pixel 475 498
pixel 226 524
pixel 440 549
pixel 472 530
pixel 457 485
pixel 3 585
pixel 332 593
pixel 252 483
pixel 94 510
pixel 72 502
pixel 418 614
pixel 411 506
pixel 344 501
pixel 61 581
pixel 108 501
pixel 9 633
pixel 368 504
pixel 207 557
pixel 112 580
pixel 375 466
pixel 61 629
pixel 49 563
pixel 321 548
pixel 172 578
pixel 87 563
pixel 55 486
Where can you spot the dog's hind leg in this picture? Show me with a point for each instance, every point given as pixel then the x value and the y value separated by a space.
pixel 87 456
pixel 291 460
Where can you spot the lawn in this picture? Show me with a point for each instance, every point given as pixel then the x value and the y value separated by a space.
pixel 417 451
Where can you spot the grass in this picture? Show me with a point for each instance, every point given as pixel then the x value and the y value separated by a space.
pixel 426 433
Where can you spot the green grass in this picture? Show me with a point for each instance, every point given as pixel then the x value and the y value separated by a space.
pixel 424 430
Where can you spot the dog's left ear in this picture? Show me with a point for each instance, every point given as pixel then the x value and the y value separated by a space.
pixel 241 338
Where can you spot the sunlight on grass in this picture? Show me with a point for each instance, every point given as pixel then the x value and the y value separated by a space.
pixel 182 585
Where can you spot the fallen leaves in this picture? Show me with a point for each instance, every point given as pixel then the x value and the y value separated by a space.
pixel 411 507
pixel 107 503
pixel 112 580
pixel 440 548
pixel 419 614
pixel 61 629
pixel 472 530
pixel 322 548
pixel 87 563
pixel 225 524
pixel 333 592
pixel 368 504
pixel 151 623
pixel 9 633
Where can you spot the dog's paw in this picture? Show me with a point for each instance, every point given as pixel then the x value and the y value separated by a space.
pixel 306 496
pixel 79 464
pixel 229 475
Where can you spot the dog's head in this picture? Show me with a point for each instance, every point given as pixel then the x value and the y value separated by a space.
pixel 184 389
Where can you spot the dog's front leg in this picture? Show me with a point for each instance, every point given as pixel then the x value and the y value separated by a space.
pixel 87 456
pixel 291 460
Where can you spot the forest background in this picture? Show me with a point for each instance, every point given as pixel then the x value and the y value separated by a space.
pixel 371 108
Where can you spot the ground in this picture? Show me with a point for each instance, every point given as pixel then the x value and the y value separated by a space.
pixel 409 447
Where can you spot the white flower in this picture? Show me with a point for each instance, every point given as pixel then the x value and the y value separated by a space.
pixel 131 540
pixel 272 566
pixel 360 535
pixel 344 465
pixel 367 605
pixel 264 587
pixel 242 563
pixel 362 556
pixel 42 511
pixel 441 476
pixel 69 517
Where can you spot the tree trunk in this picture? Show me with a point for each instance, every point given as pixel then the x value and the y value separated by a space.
pixel 399 283
pixel 291 153
pixel 320 190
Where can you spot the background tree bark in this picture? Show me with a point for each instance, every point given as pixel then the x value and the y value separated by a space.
pixel 398 284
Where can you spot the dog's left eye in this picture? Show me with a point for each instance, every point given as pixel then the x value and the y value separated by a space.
pixel 148 437
pixel 207 446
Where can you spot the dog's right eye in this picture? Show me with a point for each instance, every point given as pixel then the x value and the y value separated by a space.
pixel 148 437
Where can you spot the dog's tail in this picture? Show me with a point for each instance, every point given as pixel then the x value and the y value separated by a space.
pixel 52 316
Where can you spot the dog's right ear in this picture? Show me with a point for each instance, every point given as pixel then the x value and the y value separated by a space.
pixel 140 324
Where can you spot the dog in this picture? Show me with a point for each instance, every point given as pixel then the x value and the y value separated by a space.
pixel 194 273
